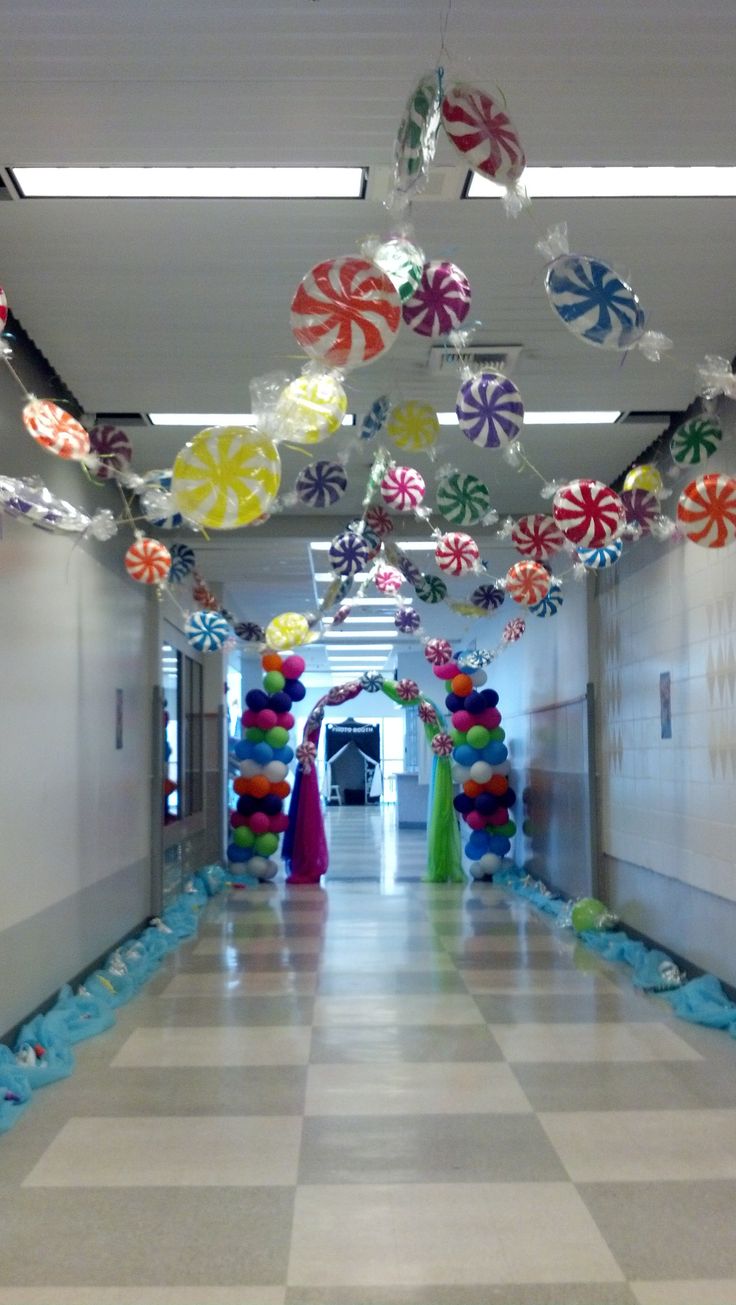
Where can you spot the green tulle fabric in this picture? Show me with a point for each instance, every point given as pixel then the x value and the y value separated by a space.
pixel 444 850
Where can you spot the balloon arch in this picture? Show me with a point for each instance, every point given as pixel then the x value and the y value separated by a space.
pixel 305 850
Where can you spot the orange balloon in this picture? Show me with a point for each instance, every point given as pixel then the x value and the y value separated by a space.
pixel 271 661
pixel 462 685
pixel 259 786
pixel 241 785
pixel 471 788
pixel 498 784
pixel 282 789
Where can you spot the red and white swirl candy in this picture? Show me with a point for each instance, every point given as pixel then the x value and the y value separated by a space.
pixel 537 536
pixel 407 690
pixel 589 513
pixel 513 630
pixel 706 510
pixel 3 309
pixel 527 582
pixel 438 652
pixel 346 312
pixel 457 553
pixel 388 580
pixel 402 488
pixel 483 133
pixel 147 561
pixel 378 520
pixel 306 755
pixel 440 302
pixel 55 430
pixel 442 745
pixel 427 713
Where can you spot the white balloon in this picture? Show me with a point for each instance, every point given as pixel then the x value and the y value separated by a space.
pixel 489 863
pixel 502 768
pixel 478 678
pixel 250 768
pixel 476 870
pixel 460 774
pixel 481 771
pixel 262 867
pixel 276 771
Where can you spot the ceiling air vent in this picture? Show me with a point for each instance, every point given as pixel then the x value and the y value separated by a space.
pixel 481 357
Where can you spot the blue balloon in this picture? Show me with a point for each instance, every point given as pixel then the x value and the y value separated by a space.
pixel 262 753
pixel 243 749
pixel 256 700
pixel 486 803
pixel 454 703
pixel 497 752
pixel 479 838
pixel 285 754
pixel 295 689
pixel 463 803
pixel 498 844
pixel 490 697
pixel 474 703
pixel 235 853
pixel 465 755
pixel 472 852
pixel 279 702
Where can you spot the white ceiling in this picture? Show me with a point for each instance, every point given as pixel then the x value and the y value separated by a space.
pixel 176 305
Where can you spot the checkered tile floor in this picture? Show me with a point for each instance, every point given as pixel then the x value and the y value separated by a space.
pixel 377 1094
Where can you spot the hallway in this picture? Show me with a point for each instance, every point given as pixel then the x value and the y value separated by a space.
pixel 362 1097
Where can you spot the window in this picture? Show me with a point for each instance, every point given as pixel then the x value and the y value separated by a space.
pixel 181 681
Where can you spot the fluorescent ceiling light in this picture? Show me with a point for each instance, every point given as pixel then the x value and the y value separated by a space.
pixel 326 577
pixel 636 182
pixel 363 634
pixel 202 419
pixel 190 183
pixel 579 418
pixel 371 620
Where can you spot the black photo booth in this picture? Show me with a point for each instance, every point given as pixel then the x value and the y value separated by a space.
pixel 352 754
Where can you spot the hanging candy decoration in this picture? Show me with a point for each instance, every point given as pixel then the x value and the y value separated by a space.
pixel 148 561
pixel 371 681
pixel 487 597
pixel 442 745
pixel 407 621
pixel 402 488
pixel 346 312
pixel 513 630
pixel 3 310
pixel 550 604
pixel 593 302
pixel 113 447
pixel 398 558
pixel 388 580
pixel 413 425
pixel 696 440
pixel 457 553
pixel 641 508
pixel 206 631
pixel 289 630
pixel 463 500
pixel 431 589
pixel 441 301
pixel 537 536
pixel 226 477
pixel 402 262
pixel 249 632
pixel 598 559
pixel 706 511
pixel 438 652
pixel 483 134
pixel 343 693
pixel 321 485
pixel 183 562
pixel 348 553
pixel 588 513
pixel 416 138
pixel 427 713
pixel 311 408
pixel 407 690
pixel 489 410
pixel 55 430
pixel 306 755
pixel 155 500
pixel 375 418
pixel 645 477
pixel 527 582
pixel 342 614
pixel 378 520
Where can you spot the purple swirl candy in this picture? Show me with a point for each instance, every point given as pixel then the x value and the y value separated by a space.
pixel 440 302
pixel 407 620
pixel 641 508
pixel 489 597
pixel 489 410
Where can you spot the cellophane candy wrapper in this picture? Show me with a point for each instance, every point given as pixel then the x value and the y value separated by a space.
pixel 416 140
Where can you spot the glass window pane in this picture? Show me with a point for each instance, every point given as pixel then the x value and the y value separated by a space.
pixel 194 736
pixel 171 683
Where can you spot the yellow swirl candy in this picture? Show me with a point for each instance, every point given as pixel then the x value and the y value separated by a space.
pixel 413 425
pixel 226 477
pixel 311 409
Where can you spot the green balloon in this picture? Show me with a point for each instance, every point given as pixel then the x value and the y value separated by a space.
pixel 254 735
pixel 243 836
pixel 278 737
pixel 273 681
pixel 458 737
pixel 507 831
pixel 478 736
pixel 265 844
pixel 588 914
pixel 497 736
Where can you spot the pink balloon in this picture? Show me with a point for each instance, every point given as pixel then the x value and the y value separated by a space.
pixel 462 721
pixel 499 817
pixel 447 672
pixel 259 822
pixel 491 718
pixel 285 719
pixel 236 820
pixel 292 667
pixel 476 820
pixel 266 719
pixel 279 823
pixel 249 717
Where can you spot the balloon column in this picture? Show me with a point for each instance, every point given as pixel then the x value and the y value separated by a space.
pixel 264 756
pixel 480 755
